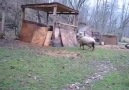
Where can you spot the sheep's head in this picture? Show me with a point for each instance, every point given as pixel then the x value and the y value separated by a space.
pixel 79 35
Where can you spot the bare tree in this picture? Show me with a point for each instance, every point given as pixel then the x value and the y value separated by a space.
pixel 112 8
pixel 77 4
pixel 3 7
pixel 124 20
pixel 95 14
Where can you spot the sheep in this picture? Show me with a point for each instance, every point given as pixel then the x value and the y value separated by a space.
pixel 125 40
pixel 127 46
pixel 85 40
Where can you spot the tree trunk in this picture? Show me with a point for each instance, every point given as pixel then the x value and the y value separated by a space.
pixel 2 33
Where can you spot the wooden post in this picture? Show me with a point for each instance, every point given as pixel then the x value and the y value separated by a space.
pixel 76 19
pixel 54 16
pixel 22 17
pixel 21 21
pixel 75 22
pixel 23 14
pixel 47 17
pixel 54 20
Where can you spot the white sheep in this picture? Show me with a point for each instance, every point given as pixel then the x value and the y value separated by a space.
pixel 85 40
pixel 127 46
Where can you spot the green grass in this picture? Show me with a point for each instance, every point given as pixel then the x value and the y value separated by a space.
pixel 23 70
pixel 20 67
pixel 114 81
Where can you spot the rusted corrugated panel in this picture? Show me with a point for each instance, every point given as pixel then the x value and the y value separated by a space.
pixel 68 38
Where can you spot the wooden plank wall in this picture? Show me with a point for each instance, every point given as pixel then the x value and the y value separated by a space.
pixel 27 31
pixel 68 38
pixel 39 36
pixel 33 32
pixel 48 39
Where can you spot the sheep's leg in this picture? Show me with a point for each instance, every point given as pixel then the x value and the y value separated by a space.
pixel 83 47
pixel 93 46
pixel 80 45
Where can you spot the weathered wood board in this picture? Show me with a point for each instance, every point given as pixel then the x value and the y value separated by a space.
pixel 39 36
pixel 48 38
pixel 27 31
pixel 57 42
pixel 56 32
pixel 68 38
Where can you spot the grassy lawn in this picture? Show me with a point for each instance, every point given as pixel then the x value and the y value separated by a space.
pixel 24 70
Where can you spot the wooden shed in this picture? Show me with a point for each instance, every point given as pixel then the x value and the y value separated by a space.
pixel 42 34
pixel 109 39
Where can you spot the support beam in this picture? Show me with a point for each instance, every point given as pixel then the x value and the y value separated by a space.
pixel 54 20
pixel 21 21
pixel 65 13
pixel 75 22
pixel 47 17
pixel 54 16
pixel 23 14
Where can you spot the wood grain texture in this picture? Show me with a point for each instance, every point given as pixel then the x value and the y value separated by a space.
pixel 39 36
pixel 48 39
pixel 68 38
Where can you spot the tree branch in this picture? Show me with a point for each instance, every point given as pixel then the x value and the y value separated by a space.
pixel 70 1
pixel 80 4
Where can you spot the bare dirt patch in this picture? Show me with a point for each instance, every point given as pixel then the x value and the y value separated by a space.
pixel 39 50
pixel 62 53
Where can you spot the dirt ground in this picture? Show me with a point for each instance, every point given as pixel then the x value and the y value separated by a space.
pixel 114 47
pixel 16 44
